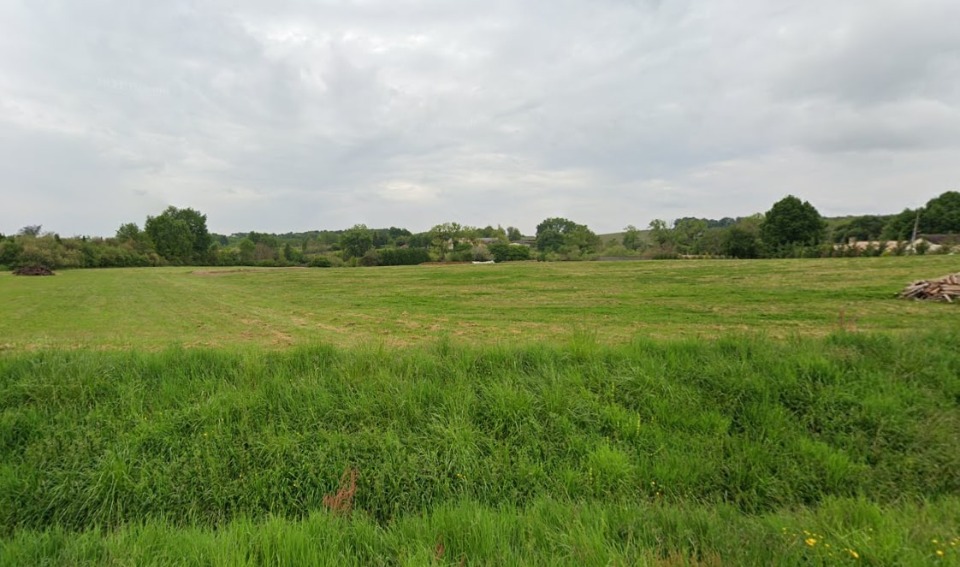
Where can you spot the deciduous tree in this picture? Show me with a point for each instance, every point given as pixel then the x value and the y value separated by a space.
pixel 941 215
pixel 179 235
pixel 631 237
pixel 792 222
pixel 557 232
pixel 356 241
pixel 739 242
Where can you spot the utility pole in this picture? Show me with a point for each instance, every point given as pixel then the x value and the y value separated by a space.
pixel 916 225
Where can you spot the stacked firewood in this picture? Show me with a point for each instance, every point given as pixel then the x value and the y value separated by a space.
pixel 946 289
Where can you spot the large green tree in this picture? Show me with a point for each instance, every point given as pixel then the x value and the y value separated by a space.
pixel 941 215
pixel 443 237
pixel 556 233
pixel 356 241
pixel 687 233
pixel 661 233
pixel 792 222
pixel 247 248
pixel 740 242
pixel 131 235
pixel 180 235
pixel 631 237
pixel 171 237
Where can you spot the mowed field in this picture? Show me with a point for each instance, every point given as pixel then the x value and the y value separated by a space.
pixel 646 413
pixel 480 304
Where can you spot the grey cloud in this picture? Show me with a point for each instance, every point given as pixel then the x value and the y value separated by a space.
pixel 895 50
pixel 293 116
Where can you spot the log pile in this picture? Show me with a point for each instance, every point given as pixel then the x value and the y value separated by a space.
pixel 33 271
pixel 946 289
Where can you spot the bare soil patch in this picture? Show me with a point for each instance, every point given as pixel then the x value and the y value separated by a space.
pixel 33 271
pixel 243 271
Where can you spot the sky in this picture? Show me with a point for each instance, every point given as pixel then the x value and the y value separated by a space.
pixel 296 115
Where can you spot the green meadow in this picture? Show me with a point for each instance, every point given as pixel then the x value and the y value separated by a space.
pixel 634 413
pixel 154 308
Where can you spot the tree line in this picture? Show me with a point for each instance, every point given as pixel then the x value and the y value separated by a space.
pixel 794 228
pixel 791 228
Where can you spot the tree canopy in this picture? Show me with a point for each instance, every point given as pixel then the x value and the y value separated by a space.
pixel 941 215
pixel 631 237
pixel 179 235
pixel 792 222
pixel 866 227
pixel 556 233
pixel 356 241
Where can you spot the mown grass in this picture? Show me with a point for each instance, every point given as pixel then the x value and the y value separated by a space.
pixel 527 303
pixel 677 452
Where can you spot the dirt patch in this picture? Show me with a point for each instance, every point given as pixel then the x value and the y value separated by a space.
pixel 281 338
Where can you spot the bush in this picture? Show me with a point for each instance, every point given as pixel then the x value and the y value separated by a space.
pixel 503 252
pixel 369 259
pixel 319 262
pixel 403 256
pixel 481 254
pixel 9 251
pixel 461 255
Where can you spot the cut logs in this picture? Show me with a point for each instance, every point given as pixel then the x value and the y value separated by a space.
pixel 946 289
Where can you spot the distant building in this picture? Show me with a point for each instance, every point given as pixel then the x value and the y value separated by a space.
pixel 928 242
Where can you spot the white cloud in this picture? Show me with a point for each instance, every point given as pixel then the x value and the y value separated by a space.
pixel 415 112
pixel 405 191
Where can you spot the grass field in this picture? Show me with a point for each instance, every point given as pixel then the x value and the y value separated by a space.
pixel 529 302
pixel 517 414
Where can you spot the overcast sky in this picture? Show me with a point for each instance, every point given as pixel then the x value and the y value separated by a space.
pixel 294 115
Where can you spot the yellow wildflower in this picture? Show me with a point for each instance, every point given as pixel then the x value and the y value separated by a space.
pixel 939 553
pixel 854 554
pixel 810 541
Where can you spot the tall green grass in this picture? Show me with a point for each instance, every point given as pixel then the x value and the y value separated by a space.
pixel 545 532
pixel 105 454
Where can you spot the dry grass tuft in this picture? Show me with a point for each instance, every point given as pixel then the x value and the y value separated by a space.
pixel 342 501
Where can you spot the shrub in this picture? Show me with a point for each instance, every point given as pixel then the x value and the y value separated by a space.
pixel 9 251
pixel 403 256
pixel 503 252
pixel 481 254
pixel 369 259
pixel 461 255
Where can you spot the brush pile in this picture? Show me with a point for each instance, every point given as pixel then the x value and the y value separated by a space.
pixel 946 289
pixel 33 271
